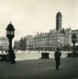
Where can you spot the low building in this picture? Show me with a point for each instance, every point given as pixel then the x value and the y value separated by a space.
pixel 4 44
pixel 29 42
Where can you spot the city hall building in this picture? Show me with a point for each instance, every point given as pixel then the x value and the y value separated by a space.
pixel 59 37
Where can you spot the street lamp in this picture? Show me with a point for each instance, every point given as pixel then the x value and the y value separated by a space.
pixel 74 39
pixel 10 34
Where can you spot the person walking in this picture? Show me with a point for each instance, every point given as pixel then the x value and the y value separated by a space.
pixel 57 57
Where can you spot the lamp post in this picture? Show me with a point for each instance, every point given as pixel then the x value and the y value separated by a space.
pixel 74 38
pixel 10 34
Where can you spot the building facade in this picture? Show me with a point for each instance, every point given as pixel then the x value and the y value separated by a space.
pixel 17 45
pixel 50 41
pixel 4 44
pixel 41 41
pixel 25 43
pixel 29 42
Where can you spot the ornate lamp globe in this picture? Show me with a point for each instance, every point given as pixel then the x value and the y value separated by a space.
pixel 10 31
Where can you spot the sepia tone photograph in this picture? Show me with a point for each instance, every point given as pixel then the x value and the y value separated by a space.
pixel 39 39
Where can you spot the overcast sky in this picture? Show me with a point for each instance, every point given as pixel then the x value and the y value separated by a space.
pixel 32 16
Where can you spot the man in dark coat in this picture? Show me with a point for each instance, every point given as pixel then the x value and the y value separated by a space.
pixel 57 57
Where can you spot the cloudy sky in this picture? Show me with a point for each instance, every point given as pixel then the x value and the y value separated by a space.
pixel 32 16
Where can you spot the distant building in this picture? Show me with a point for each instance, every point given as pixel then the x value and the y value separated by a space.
pixel 55 38
pixel 41 41
pixel 17 45
pixel 50 40
pixel 22 43
pixel 4 43
pixel 76 32
pixel 25 43
pixel 29 42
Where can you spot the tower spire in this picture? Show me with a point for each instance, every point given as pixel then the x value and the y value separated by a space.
pixel 10 22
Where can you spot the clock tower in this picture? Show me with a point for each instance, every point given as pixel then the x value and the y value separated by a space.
pixel 58 21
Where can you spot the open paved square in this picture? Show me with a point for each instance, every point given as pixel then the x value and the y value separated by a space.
pixel 40 69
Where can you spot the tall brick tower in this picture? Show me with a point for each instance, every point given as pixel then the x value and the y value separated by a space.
pixel 58 21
